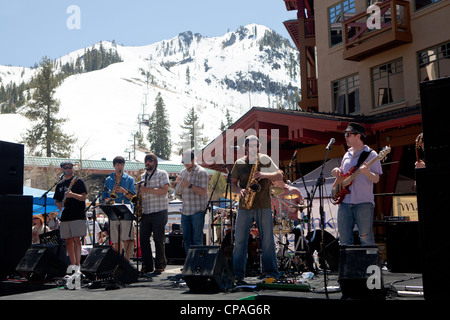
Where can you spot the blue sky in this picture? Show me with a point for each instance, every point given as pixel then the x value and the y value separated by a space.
pixel 31 29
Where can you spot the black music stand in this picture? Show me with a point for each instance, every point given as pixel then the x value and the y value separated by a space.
pixel 117 212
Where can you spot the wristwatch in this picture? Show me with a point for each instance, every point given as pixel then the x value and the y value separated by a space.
pixel 190 186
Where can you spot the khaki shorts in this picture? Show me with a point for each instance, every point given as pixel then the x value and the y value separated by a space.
pixel 72 229
pixel 126 230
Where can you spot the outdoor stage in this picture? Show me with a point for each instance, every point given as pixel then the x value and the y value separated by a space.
pixel 169 285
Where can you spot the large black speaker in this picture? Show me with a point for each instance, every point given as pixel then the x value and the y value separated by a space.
pixel 403 247
pixel 360 274
pixel 434 98
pixel 43 261
pixel 105 262
pixel 16 214
pixel 174 247
pixel 11 168
pixel 207 270
pixel 435 241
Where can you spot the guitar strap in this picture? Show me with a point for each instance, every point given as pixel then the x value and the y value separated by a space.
pixel 362 157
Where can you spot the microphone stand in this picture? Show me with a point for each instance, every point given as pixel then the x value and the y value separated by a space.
pixel 319 184
pixel 94 217
pixel 212 209
pixel 44 195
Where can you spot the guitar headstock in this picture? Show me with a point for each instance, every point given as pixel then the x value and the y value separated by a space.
pixel 384 152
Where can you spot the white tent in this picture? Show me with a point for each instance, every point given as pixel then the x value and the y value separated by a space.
pixel 308 186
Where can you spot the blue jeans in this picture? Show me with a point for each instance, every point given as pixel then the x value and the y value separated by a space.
pixel 244 221
pixel 360 215
pixel 192 226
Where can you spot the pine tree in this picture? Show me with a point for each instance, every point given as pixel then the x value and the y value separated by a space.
pixel 46 136
pixel 159 130
pixel 192 136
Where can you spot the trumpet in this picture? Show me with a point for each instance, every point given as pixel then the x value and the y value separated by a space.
pixel 175 191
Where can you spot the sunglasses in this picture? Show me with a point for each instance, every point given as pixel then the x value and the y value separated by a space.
pixel 69 167
pixel 346 134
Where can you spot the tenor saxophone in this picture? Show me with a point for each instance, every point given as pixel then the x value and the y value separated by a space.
pixel 252 188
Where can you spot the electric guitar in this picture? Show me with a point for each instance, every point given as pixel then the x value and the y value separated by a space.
pixel 341 184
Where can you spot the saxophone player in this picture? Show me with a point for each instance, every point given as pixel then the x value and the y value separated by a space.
pixel 120 188
pixel 259 210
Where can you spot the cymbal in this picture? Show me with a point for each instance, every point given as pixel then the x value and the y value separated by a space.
pixel 299 206
pixel 291 196
pixel 276 191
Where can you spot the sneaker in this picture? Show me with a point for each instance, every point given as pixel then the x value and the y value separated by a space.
pixel 240 283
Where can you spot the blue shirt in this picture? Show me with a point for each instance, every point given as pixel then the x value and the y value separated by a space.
pixel 126 182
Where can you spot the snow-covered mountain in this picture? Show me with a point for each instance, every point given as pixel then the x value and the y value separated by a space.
pixel 251 66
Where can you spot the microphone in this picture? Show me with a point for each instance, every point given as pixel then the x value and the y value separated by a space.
pixel 142 181
pixel 330 143
pixel 293 157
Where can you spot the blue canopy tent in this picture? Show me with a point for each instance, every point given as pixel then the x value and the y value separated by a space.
pixel 38 203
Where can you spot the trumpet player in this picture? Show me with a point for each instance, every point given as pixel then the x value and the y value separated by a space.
pixel 192 184
pixel 259 211
pixel 120 187
pixel 155 202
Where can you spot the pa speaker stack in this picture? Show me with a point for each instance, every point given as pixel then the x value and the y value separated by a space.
pixel 207 270
pixel 431 195
pixel 16 210
pixel 105 262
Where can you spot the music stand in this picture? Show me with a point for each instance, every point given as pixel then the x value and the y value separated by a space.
pixel 119 212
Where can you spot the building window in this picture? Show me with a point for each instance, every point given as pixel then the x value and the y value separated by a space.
pixel 420 4
pixel 336 15
pixel 387 83
pixel 346 95
pixel 434 62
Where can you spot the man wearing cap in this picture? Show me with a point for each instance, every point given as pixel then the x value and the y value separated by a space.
pixel 260 211
pixel 357 207
pixel 194 190
pixel 123 186
pixel 70 196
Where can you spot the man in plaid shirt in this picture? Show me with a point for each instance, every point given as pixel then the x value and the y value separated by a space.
pixel 155 202
pixel 194 190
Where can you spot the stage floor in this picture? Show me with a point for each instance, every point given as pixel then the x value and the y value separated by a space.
pixel 169 285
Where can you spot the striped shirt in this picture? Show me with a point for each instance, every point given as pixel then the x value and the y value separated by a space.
pixel 151 202
pixel 193 202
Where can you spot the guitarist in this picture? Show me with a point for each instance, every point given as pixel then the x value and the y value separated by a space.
pixel 70 196
pixel 357 208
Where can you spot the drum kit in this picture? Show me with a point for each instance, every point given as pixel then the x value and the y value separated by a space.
pixel 293 256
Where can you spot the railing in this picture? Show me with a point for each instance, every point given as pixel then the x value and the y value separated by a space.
pixel 312 87
pixel 358 35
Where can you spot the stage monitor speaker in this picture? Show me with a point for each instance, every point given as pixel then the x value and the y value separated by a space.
pixel 403 247
pixel 16 212
pixel 434 98
pixel 43 261
pixel 11 168
pixel 104 262
pixel 434 240
pixel 207 270
pixel 360 274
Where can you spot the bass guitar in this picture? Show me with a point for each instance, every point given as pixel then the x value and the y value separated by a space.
pixel 341 184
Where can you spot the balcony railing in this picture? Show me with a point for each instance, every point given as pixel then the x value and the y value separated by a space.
pixel 385 33
pixel 312 91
